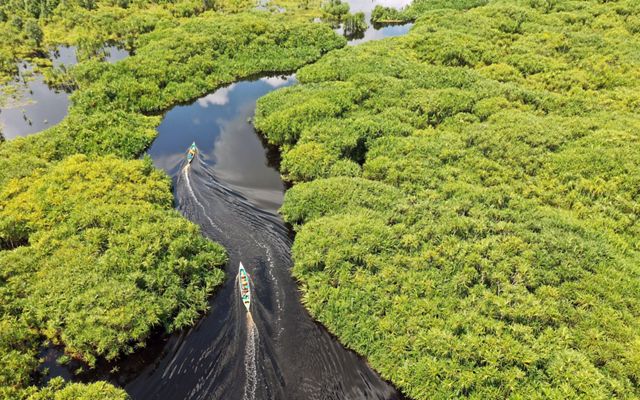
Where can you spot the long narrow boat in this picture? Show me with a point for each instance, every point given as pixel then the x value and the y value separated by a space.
pixel 192 152
pixel 245 287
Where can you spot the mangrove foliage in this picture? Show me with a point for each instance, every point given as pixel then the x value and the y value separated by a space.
pixel 467 196
pixel 93 258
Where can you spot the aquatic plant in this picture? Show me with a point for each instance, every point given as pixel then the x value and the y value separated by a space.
pixel 29 28
pixel 335 9
pixel 385 15
pixel 390 15
pixel 354 23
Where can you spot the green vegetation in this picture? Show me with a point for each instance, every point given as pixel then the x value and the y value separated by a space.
pixel 57 390
pixel 92 256
pixel 96 258
pixel 110 108
pixel 390 15
pixel 336 9
pixel 354 23
pixel 107 257
pixel 466 199
pixel 29 28
pixel 337 13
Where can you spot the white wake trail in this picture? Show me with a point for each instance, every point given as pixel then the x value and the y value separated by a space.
pixel 250 360
pixel 277 290
pixel 204 211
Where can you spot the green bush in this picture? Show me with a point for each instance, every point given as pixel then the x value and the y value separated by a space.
pixel 489 247
pixel 382 15
pixel 354 24
pixel 56 389
pixel 325 197
pixel 335 8
pixel 107 259
pixel 92 255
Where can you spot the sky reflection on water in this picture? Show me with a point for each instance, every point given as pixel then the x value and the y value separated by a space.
pixel 36 106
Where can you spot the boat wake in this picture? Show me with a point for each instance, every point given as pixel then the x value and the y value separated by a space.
pixel 193 195
pixel 275 352
pixel 250 362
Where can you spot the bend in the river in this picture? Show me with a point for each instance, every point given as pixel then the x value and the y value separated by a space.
pixel 232 190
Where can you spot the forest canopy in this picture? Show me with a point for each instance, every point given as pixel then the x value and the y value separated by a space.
pixel 466 198
pixel 30 29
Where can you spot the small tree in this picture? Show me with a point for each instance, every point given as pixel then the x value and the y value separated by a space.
pixel 210 4
pixel 354 24
pixel 335 9
pixel 17 22
pixel 88 4
pixel 34 32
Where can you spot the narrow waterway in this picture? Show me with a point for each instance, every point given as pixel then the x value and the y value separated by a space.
pixel 233 190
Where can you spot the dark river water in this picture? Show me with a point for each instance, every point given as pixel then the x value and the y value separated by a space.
pixel 233 190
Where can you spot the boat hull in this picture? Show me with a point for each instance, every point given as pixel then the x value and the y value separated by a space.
pixel 191 154
pixel 245 287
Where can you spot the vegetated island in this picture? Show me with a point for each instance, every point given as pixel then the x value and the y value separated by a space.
pixel 93 257
pixel 466 198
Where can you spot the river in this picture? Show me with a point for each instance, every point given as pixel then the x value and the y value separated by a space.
pixel 233 190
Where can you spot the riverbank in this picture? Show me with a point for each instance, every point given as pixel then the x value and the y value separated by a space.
pixel 463 200
pixel 235 185
pixel 112 114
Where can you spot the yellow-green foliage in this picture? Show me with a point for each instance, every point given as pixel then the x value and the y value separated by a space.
pixel 92 256
pixel 109 112
pixel 56 389
pixel 29 27
pixel 18 352
pixel 205 52
pixel 96 257
pixel 385 15
pixel 489 247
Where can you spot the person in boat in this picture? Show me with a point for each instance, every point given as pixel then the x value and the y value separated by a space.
pixel 192 152
pixel 244 292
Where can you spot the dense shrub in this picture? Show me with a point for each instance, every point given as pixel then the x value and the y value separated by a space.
pixel 354 24
pixel 107 259
pixel 92 255
pixel 29 27
pixel 335 8
pixel 111 107
pixel 324 197
pixel 489 248
pixel 386 15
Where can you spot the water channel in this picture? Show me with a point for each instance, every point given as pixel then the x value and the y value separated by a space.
pixel 233 190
